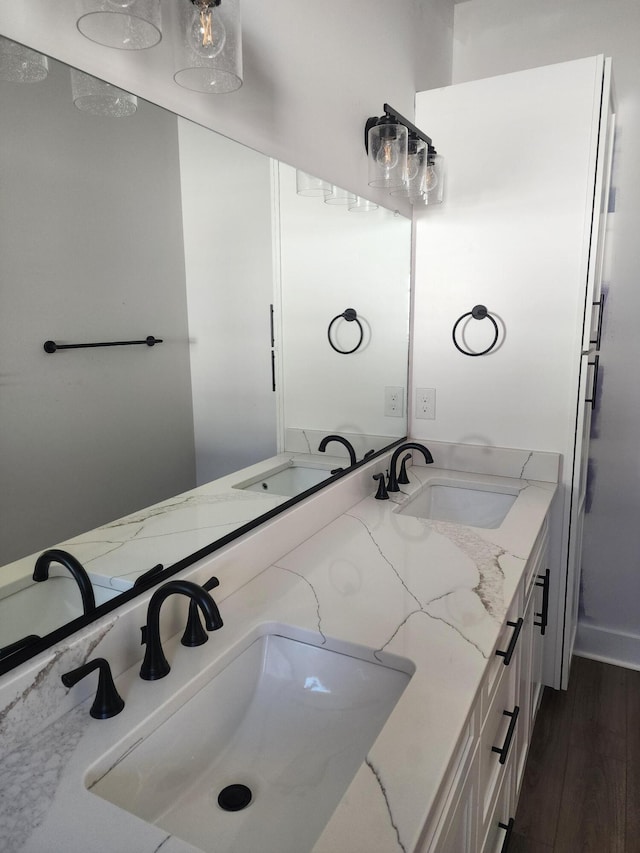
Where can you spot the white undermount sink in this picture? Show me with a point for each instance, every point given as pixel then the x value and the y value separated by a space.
pixel 40 608
pixel 473 504
pixel 291 722
pixel 288 479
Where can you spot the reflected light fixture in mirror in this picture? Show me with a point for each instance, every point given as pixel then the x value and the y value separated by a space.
pixel 20 64
pixel 98 98
pixel 208 46
pixel 310 186
pixel 122 24
pixel 362 205
pixel 340 196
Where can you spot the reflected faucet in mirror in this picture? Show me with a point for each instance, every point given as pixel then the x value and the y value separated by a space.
pixel 345 441
pixel 56 555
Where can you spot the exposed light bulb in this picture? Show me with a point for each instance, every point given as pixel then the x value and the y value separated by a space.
pixel 208 34
pixel 430 178
pixel 413 166
pixel 387 154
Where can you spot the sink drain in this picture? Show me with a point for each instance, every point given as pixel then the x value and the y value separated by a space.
pixel 233 798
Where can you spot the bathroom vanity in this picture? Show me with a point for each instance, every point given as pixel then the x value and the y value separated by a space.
pixel 433 624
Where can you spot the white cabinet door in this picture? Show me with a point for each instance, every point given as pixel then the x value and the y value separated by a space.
pixel 460 828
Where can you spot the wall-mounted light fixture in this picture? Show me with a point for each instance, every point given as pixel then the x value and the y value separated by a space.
pixel 402 158
pixel 20 64
pixel 208 46
pixel 123 24
pixel 98 98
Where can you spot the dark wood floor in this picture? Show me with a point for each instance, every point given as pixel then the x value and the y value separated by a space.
pixel 581 789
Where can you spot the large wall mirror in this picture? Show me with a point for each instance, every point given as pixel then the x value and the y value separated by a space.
pixel 115 229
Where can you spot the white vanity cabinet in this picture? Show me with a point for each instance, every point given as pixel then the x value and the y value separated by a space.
pixel 479 799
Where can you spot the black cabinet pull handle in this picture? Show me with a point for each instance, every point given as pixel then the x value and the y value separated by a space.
pixel 543 616
pixel 507 838
pixel 503 750
pixel 508 654
pixel 594 390
pixel 599 302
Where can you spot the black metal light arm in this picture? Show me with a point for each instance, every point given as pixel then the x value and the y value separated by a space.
pixel 400 119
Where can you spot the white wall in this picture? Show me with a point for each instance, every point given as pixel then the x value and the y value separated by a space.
pixel 498 36
pixel 90 250
pixel 226 213
pixel 313 72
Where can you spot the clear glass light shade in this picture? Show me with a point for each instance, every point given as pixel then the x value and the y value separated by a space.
pixel 362 205
pixel 340 196
pixel 387 155
pixel 414 184
pixel 208 47
pixel 99 98
pixel 20 64
pixel 310 186
pixel 123 24
pixel 434 181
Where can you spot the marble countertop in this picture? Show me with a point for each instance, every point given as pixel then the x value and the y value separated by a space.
pixel 430 592
pixel 166 531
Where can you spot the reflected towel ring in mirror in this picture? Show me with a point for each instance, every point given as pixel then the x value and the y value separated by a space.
pixel 349 314
pixel 478 312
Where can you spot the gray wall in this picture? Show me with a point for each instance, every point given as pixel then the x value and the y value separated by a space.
pixel 498 36
pixel 91 250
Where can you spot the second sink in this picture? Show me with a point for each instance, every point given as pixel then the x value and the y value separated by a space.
pixel 472 504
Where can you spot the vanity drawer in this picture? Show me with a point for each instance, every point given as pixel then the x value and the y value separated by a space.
pixel 537 560
pixel 498 742
pixel 500 824
pixel 460 783
pixel 506 652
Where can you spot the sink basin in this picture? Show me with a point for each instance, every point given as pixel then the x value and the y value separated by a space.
pixel 42 607
pixel 290 721
pixel 472 504
pixel 287 480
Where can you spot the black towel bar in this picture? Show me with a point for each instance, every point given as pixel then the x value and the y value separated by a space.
pixel 52 346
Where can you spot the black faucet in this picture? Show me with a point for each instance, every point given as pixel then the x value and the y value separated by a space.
pixel 352 454
pixel 392 484
pixel 55 555
pixel 155 664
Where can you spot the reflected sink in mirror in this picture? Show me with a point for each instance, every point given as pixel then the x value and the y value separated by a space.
pixel 42 607
pixel 475 505
pixel 289 479
pixel 290 721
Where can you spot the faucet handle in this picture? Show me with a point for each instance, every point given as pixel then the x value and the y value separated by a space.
pixel 403 477
pixel 194 633
pixel 381 494
pixel 107 702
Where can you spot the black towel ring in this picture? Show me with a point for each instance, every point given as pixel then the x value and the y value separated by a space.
pixel 349 314
pixel 478 312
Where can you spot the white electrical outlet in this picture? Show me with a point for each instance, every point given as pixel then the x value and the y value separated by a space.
pixel 426 403
pixel 394 401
